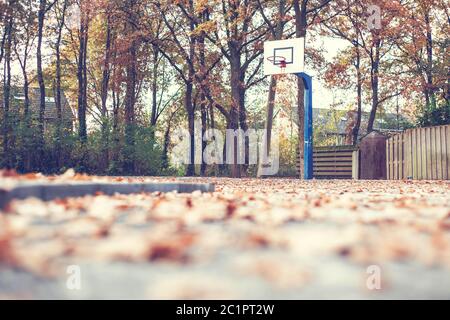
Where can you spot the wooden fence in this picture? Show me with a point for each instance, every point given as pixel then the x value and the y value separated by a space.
pixel 422 153
pixel 335 162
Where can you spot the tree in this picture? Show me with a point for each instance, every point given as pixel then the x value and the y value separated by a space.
pixel 24 38
pixel 240 43
pixel 422 51
pixel 346 23
pixel 23 44
pixel 9 21
pixel 108 17
pixel 186 74
pixel 83 37
pixel 377 42
pixel 131 16
pixel 44 7
pixel 371 50
pixel 4 23
pixel 61 18
pixel 276 31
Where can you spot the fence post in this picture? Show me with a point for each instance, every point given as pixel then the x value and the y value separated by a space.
pixel 407 155
pixel 439 153
pixel 388 157
pixel 355 165
pixel 447 151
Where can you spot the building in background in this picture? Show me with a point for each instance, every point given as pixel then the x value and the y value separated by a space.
pixel 333 127
pixel 17 100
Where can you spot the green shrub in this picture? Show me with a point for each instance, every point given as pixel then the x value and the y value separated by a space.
pixel 104 153
pixel 435 116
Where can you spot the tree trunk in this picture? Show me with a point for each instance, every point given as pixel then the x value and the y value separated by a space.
pixel 273 84
pixel 6 93
pixel 429 68
pixel 190 171
pixel 40 76
pixel 58 86
pixel 235 112
pixel 85 78
pixel 203 110
pixel 154 86
pixel 104 95
pixel 203 99
pixel 165 152
pixel 188 97
pixel 447 90
pixel 2 44
pixel 374 76
pixel 213 126
pixel 269 115
pixel 26 156
pixel 81 75
pixel 243 123
pixel 26 94
pixel 105 71
pixel 115 124
pixel 130 101
pixel 426 95
pixel 357 126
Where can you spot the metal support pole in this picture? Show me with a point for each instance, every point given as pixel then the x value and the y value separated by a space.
pixel 308 134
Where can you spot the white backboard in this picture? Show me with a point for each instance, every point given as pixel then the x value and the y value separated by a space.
pixel 293 52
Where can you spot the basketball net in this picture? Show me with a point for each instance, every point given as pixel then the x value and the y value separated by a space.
pixel 281 63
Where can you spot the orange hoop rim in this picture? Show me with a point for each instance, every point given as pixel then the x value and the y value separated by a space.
pixel 276 60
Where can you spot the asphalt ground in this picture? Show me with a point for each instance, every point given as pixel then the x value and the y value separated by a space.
pixel 249 239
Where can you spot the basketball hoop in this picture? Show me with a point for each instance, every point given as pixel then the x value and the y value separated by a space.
pixel 278 61
pixel 284 56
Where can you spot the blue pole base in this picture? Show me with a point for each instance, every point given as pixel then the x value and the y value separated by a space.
pixel 308 134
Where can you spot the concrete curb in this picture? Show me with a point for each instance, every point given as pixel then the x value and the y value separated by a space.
pixel 59 191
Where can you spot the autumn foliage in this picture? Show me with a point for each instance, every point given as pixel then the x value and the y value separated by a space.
pixel 134 71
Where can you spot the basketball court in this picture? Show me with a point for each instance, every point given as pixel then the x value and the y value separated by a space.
pixel 258 239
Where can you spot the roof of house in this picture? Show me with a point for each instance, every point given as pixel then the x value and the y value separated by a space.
pixel 17 98
pixel 384 121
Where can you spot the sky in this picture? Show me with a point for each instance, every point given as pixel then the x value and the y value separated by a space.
pixel 322 96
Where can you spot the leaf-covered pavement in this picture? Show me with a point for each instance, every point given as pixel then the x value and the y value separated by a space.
pixel 259 239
